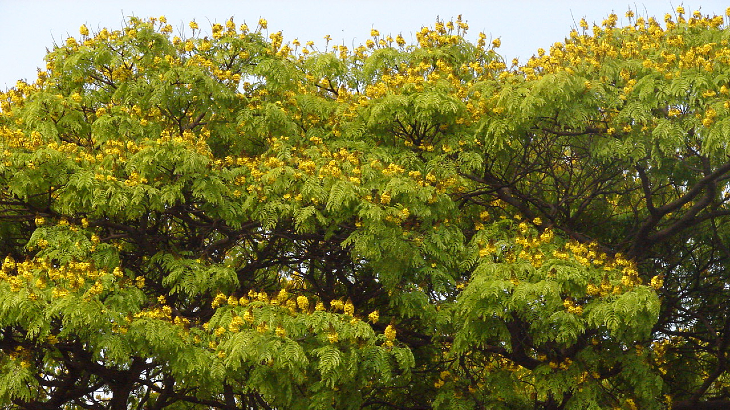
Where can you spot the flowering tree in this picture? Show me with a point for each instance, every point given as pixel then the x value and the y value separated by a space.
pixel 237 222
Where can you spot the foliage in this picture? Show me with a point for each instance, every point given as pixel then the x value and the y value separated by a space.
pixel 237 222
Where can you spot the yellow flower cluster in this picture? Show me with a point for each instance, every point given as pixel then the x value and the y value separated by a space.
pixel 571 307
pixel 295 303
pixel 160 312
pixel 390 334
pixel 638 41
pixel 252 318
pixel 659 351
pixel 21 356
pixel 16 138
pixel 374 316
pixel 442 33
pixel 43 278
pixel 618 273
pixel 656 282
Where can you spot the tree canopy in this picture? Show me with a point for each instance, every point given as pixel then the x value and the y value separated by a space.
pixel 233 221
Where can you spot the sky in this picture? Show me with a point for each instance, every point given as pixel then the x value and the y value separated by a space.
pixel 29 27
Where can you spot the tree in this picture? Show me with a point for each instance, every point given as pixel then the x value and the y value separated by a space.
pixel 233 222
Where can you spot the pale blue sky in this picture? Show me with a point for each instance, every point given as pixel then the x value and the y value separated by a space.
pixel 27 27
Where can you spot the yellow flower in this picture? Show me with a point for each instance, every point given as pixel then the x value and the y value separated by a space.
pixel 219 299
pixel 349 308
pixel 374 316
pixel 390 333
pixel 374 33
pixel 657 282
pixel 302 302
pixel 263 23
pixel 193 25
pixel 333 337
pixel 248 316
pixel 496 43
pixel 337 304
pixel 84 30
